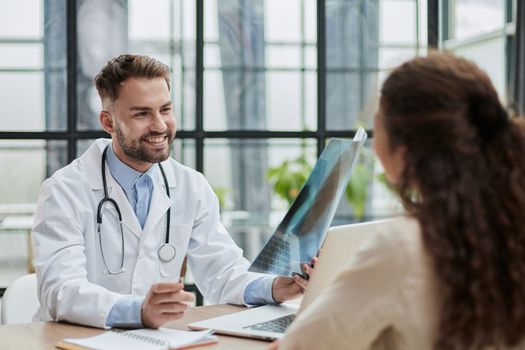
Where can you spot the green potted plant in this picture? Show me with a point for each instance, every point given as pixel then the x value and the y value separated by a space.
pixel 288 177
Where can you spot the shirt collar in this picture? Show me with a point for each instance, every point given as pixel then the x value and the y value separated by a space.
pixel 124 174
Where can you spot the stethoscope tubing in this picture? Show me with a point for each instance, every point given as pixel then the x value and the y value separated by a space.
pixel 166 251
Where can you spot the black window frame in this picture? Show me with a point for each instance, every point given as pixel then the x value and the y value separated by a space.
pixel 72 134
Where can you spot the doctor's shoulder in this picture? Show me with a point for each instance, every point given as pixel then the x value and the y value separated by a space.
pixel 69 178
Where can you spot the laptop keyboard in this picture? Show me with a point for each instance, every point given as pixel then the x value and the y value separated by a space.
pixel 277 325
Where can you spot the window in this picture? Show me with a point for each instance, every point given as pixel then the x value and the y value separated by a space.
pixel 254 83
pixel 481 31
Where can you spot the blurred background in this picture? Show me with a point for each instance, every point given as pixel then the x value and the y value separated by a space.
pixel 259 87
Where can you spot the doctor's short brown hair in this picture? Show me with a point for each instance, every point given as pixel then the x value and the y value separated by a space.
pixel 124 67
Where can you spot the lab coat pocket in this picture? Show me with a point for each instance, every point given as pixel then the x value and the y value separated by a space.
pixel 179 238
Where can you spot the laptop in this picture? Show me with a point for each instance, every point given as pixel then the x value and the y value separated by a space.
pixel 269 322
pixel 301 232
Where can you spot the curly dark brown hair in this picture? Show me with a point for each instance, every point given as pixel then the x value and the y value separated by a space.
pixel 464 180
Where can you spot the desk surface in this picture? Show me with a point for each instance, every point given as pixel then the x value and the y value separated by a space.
pixel 44 335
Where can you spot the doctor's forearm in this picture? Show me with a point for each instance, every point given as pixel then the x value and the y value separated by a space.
pixel 259 291
pixel 126 313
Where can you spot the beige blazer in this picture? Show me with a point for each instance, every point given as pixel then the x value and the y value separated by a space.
pixel 385 299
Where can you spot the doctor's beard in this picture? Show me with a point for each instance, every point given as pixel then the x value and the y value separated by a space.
pixel 137 150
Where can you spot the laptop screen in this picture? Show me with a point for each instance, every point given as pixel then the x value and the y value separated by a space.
pixel 301 233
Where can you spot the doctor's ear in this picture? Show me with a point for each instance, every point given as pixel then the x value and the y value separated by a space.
pixel 106 120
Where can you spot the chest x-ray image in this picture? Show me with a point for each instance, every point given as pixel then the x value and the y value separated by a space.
pixel 301 233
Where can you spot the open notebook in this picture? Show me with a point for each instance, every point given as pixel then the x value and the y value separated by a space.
pixel 143 339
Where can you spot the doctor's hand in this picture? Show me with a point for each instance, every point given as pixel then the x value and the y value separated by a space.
pixel 286 288
pixel 165 301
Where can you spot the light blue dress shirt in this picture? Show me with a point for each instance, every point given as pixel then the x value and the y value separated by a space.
pixel 138 187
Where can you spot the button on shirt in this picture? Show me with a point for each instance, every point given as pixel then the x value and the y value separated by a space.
pixel 138 187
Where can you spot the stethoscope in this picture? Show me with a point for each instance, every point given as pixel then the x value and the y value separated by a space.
pixel 166 251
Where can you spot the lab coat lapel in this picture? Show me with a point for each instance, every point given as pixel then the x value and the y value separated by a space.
pixel 160 203
pixel 91 164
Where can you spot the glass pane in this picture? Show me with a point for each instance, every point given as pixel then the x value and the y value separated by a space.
pixel 25 165
pixel 28 56
pixel 490 56
pixel 309 100
pixel 55 64
pixel 33 79
pixel 282 20
pixel 392 57
pixel 21 19
pixel 146 22
pixel 240 171
pixel 352 33
pixel 352 39
pixel 474 17
pixel 214 103
pixel 423 23
pixel 254 77
pixel 183 95
pixel 184 14
pixel 290 102
pixel 212 56
pixel 364 38
pixel 351 99
pixel 310 57
pixel 283 56
pixel 183 150
pixel 22 100
pixel 161 29
pixel 211 22
pixel 283 93
pixel 310 21
pixel 398 21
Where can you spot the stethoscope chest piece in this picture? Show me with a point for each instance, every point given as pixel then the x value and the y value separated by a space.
pixel 167 252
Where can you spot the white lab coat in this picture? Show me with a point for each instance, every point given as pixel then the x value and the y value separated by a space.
pixel 72 285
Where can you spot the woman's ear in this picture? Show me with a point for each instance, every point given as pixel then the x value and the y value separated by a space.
pixel 399 159
pixel 106 120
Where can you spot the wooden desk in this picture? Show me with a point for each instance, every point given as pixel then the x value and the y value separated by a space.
pixel 44 335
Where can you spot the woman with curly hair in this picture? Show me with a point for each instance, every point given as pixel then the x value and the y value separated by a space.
pixel 454 277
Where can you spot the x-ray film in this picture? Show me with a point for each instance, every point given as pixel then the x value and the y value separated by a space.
pixel 301 233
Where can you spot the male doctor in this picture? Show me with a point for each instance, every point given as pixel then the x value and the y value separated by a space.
pixel 97 270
